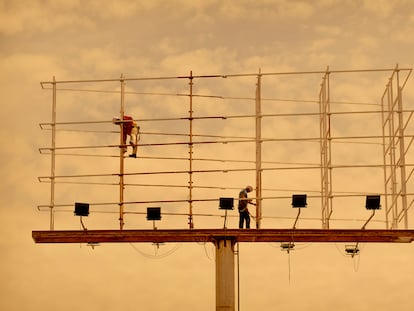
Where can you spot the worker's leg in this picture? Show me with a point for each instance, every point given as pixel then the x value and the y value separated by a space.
pixel 241 219
pixel 134 142
pixel 247 220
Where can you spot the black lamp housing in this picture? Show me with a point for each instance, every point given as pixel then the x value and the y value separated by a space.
pixel 299 200
pixel 81 209
pixel 373 202
pixel 226 203
pixel 153 213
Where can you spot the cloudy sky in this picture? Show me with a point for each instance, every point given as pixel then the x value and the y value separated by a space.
pixel 87 40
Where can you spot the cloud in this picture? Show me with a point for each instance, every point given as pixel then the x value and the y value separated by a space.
pixel 264 9
pixel 50 16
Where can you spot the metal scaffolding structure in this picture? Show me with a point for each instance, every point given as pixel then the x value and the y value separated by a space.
pixel 394 140
pixel 395 120
pixel 325 145
pixel 395 150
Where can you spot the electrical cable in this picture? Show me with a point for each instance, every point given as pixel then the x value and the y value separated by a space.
pixel 156 256
pixel 205 249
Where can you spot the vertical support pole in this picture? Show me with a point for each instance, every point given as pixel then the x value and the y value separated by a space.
pixel 393 148
pixel 394 153
pixel 325 145
pixel 329 140
pixel 391 208
pixel 385 149
pixel 237 253
pixel 322 127
pixel 190 146
pixel 258 151
pixel 402 152
pixel 225 275
pixel 53 158
pixel 121 157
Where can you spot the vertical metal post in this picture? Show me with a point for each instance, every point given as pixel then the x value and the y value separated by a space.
pixel 329 140
pixel 53 158
pixel 390 150
pixel 325 145
pixel 225 275
pixel 190 146
pixel 322 127
pixel 121 157
pixel 258 152
pixel 238 275
pixel 392 156
pixel 402 152
pixel 385 148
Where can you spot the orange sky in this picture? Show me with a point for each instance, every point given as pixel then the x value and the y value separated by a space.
pixel 75 40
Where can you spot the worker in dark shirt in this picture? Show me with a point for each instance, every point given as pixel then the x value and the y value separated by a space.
pixel 243 210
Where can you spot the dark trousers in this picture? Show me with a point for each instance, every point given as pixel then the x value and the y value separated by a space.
pixel 244 216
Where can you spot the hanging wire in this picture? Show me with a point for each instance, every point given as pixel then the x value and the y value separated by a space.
pixel 205 249
pixel 156 255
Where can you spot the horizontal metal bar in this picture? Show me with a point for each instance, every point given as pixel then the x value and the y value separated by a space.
pixel 223 117
pixel 47 178
pixel 225 75
pixel 213 235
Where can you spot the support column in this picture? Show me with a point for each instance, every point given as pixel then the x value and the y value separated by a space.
pixel 325 145
pixel 190 152
pixel 258 152
pixel 225 276
pixel 121 157
pixel 404 213
pixel 53 159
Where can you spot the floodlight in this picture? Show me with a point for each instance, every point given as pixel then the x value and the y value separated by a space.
pixel 287 246
pixel 352 250
pixel 299 200
pixel 81 209
pixel 373 202
pixel 153 213
pixel 226 203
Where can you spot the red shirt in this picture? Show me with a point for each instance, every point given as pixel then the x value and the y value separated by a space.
pixel 127 126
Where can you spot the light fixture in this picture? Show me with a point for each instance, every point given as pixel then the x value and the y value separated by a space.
pixel 352 250
pixel 226 203
pixel 299 200
pixel 153 213
pixel 287 246
pixel 373 202
pixel 81 209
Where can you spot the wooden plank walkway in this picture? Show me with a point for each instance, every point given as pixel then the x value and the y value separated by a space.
pixel 213 235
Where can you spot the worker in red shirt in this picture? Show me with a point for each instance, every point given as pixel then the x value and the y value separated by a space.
pixel 131 129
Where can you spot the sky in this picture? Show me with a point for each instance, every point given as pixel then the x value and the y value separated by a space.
pixel 94 40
